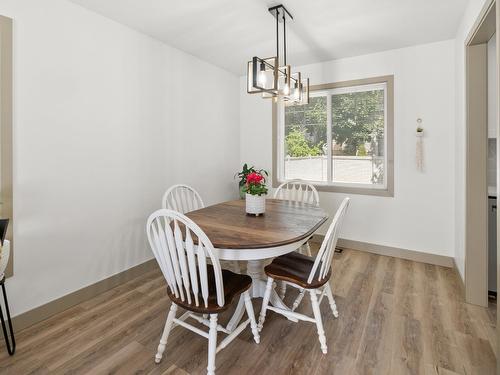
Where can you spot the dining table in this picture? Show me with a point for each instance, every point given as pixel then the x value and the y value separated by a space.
pixel 236 236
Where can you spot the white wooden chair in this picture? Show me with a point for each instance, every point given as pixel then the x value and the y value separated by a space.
pixel 181 249
pixel 304 272
pixel 298 191
pixel 183 199
pixel 302 192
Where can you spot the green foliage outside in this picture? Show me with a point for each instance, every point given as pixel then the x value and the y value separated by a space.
pixel 357 118
pixel 297 145
pixel 305 133
pixel 361 150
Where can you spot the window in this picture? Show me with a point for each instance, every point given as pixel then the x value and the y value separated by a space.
pixel 340 141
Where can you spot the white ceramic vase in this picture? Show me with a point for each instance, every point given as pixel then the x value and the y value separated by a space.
pixel 255 204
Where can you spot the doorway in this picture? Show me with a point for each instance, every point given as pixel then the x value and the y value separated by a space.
pixel 481 144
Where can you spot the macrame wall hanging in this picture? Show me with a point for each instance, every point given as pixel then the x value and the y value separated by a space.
pixel 419 151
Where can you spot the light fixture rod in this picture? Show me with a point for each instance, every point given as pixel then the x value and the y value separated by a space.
pixel 284 38
pixel 277 38
pixel 281 14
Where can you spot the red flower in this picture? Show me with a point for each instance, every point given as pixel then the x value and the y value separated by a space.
pixel 254 178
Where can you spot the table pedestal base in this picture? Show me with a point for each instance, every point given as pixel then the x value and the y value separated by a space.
pixel 255 269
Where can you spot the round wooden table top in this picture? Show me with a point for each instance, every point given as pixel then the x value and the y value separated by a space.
pixel 229 227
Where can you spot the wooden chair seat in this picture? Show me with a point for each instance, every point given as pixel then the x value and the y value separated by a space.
pixel 234 285
pixel 295 268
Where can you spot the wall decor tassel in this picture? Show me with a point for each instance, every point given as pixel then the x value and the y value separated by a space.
pixel 419 152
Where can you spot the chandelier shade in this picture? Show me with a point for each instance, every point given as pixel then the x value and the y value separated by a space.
pixel 305 91
pixel 262 75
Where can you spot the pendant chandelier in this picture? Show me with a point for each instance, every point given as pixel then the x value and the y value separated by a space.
pixel 272 77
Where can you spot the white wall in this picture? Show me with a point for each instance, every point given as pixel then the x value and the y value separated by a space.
pixel 420 215
pixel 105 119
pixel 471 13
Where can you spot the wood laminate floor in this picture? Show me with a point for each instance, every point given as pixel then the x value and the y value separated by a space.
pixel 396 317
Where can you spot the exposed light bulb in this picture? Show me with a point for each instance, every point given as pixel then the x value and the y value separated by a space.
pixel 262 75
pixel 262 78
pixel 296 92
pixel 286 89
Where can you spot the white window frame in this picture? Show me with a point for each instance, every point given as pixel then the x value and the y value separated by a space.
pixel 387 188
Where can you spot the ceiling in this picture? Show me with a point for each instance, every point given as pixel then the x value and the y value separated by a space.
pixel 228 33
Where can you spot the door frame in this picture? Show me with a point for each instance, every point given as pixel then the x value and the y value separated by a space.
pixel 476 188
pixel 6 165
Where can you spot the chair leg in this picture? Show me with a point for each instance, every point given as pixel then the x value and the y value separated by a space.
pixel 317 317
pixel 333 305
pixel 298 300
pixel 265 303
pixel 166 331
pixel 282 290
pixel 11 347
pixel 251 316
pixel 212 344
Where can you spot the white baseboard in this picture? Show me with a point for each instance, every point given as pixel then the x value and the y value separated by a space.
pixel 417 256
pixel 45 311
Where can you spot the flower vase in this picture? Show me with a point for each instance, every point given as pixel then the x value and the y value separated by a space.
pixel 255 204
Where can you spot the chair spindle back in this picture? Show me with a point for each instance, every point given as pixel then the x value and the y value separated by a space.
pixel 297 191
pixel 184 264
pixel 327 249
pixel 182 198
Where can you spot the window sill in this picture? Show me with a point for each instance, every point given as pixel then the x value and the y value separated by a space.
pixel 387 192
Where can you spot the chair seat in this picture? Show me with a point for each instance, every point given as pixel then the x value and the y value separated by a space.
pixel 295 268
pixel 234 285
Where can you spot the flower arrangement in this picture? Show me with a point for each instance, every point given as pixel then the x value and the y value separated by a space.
pixel 255 184
pixel 255 190
pixel 245 171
